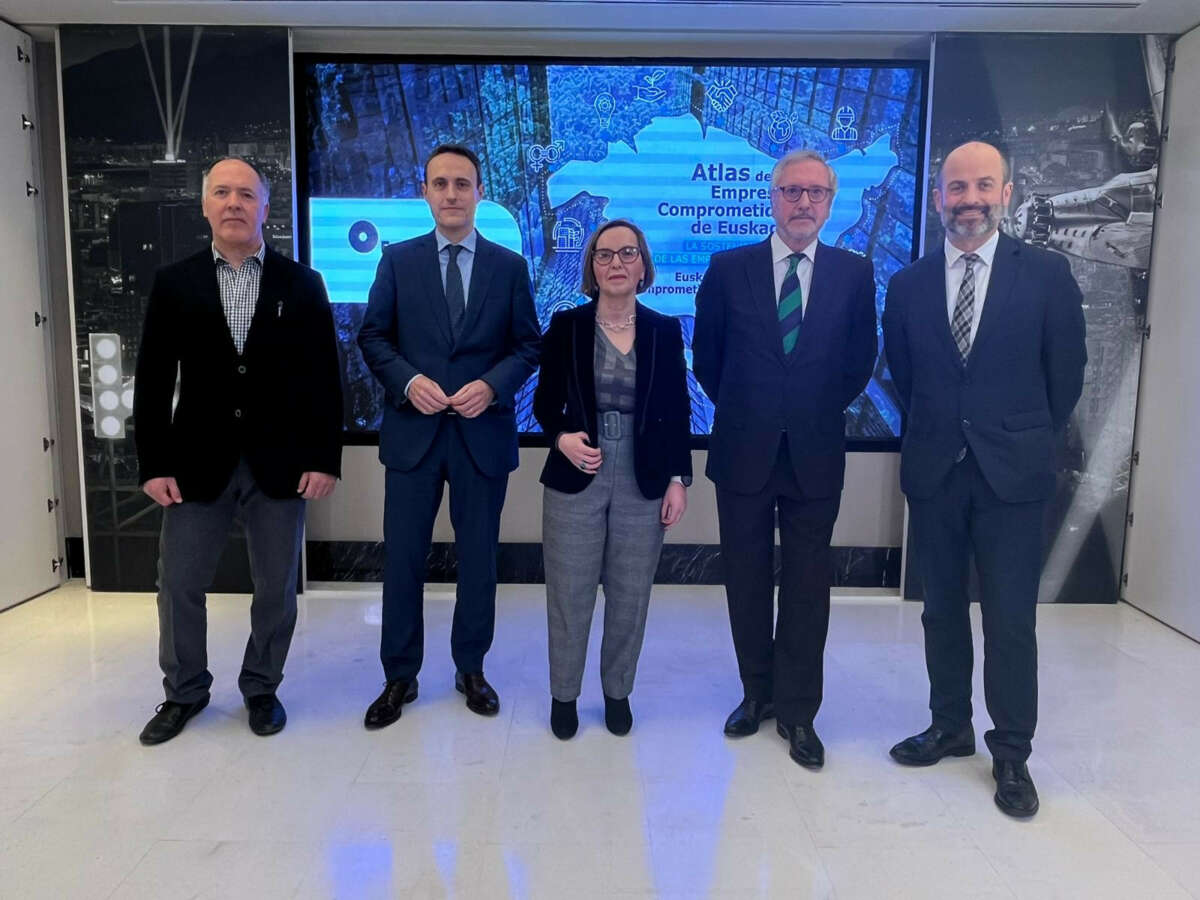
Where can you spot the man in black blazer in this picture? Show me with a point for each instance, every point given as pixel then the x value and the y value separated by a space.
pixel 985 341
pixel 785 340
pixel 451 333
pixel 257 430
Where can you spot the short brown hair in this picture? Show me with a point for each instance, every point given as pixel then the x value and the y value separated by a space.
pixel 589 287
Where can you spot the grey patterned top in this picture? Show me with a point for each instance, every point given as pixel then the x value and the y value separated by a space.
pixel 616 375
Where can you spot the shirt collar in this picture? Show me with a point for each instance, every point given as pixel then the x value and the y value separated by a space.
pixel 467 243
pixel 986 253
pixel 257 254
pixel 781 251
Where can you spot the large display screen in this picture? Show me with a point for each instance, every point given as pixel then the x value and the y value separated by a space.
pixel 683 148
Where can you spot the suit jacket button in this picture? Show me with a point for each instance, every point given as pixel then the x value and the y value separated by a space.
pixel 237 413
pixel 241 370
pixel 966 423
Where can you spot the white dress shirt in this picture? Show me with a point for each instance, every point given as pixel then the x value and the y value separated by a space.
pixel 956 269
pixel 779 258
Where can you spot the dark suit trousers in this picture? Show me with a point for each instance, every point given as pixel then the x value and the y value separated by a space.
pixel 191 542
pixel 786 666
pixel 966 516
pixel 411 503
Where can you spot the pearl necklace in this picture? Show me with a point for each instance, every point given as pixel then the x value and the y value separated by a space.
pixel 617 326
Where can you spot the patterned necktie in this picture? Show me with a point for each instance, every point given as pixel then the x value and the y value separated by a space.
pixel 964 308
pixel 791 305
pixel 456 303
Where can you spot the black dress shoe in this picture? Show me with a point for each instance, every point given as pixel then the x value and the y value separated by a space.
pixel 267 715
pixel 804 747
pixel 1015 793
pixel 481 696
pixel 169 719
pixel 388 705
pixel 932 744
pixel 618 717
pixel 744 720
pixel 564 719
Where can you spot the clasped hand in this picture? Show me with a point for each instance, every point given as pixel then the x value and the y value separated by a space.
pixel 469 401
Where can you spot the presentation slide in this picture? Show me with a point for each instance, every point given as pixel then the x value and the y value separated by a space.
pixel 684 149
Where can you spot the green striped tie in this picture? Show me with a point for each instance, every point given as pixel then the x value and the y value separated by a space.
pixel 791 305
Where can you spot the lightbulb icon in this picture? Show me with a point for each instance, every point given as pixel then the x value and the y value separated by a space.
pixel 605 103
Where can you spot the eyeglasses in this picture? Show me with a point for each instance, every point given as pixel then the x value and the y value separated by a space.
pixel 793 192
pixel 605 256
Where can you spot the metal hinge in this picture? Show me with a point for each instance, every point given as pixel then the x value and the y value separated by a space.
pixel 1146 332
pixel 47 443
pixel 51 503
pixel 38 318
pixel 1129 520
pixel 26 123
pixel 22 56
pixel 30 190
pixel 1125 579
pixel 56 563
pixel 1137 457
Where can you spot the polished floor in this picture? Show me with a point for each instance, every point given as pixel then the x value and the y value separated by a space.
pixel 447 804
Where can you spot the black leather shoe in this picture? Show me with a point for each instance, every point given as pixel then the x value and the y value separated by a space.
pixel 564 719
pixel 932 744
pixel 804 747
pixel 169 719
pixel 267 715
pixel 1015 793
pixel 618 717
pixel 744 720
pixel 388 705
pixel 481 696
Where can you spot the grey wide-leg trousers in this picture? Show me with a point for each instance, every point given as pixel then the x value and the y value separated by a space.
pixel 607 534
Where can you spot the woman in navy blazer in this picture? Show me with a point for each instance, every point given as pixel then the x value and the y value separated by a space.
pixel 613 397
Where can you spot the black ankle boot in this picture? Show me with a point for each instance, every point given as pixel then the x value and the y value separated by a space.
pixel 564 720
pixel 617 715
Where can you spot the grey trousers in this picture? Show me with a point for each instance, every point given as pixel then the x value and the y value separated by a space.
pixel 190 544
pixel 607 534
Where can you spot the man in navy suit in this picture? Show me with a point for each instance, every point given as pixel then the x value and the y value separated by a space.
pixel 985 341
pixel 451 333
pixel 785 339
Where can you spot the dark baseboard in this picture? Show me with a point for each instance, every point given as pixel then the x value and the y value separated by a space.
pixel 75 567
pixel 521 563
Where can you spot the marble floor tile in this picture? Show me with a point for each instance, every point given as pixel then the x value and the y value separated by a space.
pixel 445 803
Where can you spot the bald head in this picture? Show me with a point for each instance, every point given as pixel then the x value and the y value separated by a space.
pixel 972 193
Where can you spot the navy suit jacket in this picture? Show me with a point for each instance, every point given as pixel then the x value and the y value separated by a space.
pixel 278 403
pixel 406 332
pixel 759 391
pixel 1022 379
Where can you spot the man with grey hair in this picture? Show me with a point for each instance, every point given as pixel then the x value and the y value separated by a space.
pixel 256 431
pixel 785 339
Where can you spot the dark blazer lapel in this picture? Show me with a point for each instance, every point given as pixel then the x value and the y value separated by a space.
pixel 761 273
pixel 481 278
pixel 1005 263
pixel 584 351
pixel 645 340
pixel 208 294
pixel 429 274
pixel 933 297
pixel 271 293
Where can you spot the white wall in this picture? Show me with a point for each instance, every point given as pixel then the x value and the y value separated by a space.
pixel 1165 488
pixel 872 507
